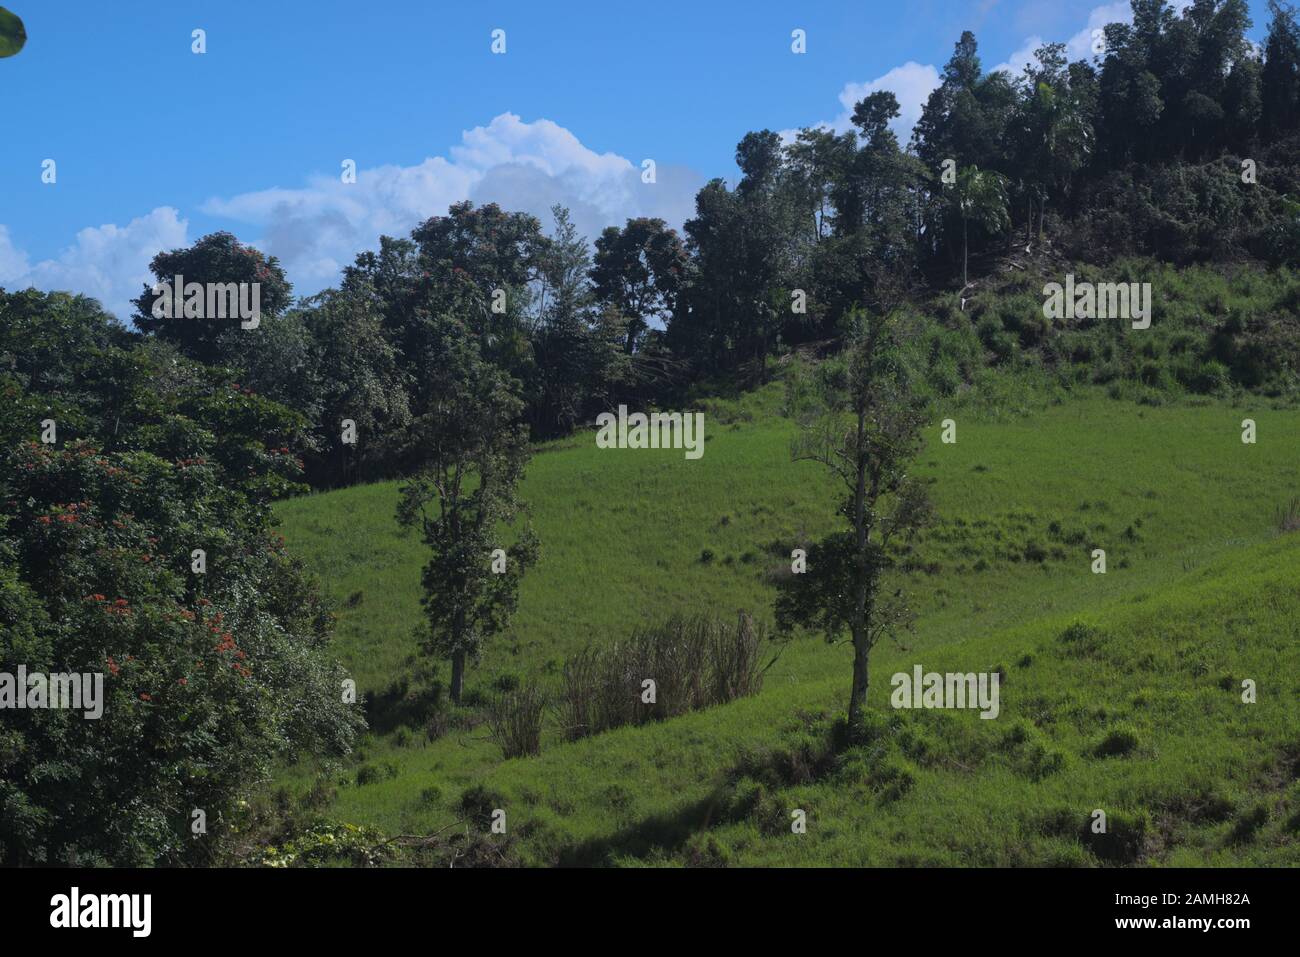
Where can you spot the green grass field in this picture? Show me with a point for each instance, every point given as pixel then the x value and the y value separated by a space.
pixel 1122 691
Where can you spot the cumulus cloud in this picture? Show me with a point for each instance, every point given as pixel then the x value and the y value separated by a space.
pixel 13 261
pixel 1079 46
pixel 318 228
pixel 911 83
pixel 1016 63
pixel 110 262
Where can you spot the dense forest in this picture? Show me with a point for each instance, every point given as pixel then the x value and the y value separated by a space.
pixel 126 449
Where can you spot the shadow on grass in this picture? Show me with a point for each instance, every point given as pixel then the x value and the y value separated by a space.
pixel 399 705
pixel 665 832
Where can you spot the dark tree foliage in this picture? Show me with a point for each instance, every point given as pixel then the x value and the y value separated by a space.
pixel 208 677
pixel 639 270
pixel 218 258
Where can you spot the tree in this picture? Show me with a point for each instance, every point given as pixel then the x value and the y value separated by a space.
pixel 356 376
pixel 812 160
pixel 966 116
pixel 744 242
pixel 218 258
pixel 861 419
pixel 1280 78
pixel 639 269
pixel 208 678
pixel 578 356
pixel 1055 131
pixel 475 450
pixel 980 197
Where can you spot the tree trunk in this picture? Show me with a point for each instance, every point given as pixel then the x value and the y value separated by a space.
pixel 858 694
pixel 861 677
pixel 457 675
pixel 965 253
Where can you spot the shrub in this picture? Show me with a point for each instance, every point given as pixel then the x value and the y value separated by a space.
pixel 1124 840
pixel 1119 741
pixel 515 721
pixel 1249 822
pixel 893 777
pixel 576 708
pixel 477 804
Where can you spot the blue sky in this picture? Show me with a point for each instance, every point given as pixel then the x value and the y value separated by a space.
pixel 156 146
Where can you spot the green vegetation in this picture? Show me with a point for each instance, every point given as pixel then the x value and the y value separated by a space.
pixel 463 362
pixel 1137 711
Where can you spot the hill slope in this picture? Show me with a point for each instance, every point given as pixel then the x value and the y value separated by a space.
pixel 1197 592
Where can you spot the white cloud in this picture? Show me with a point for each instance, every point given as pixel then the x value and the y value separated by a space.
pixel 1079 46
pixel 1016 63
pixel 911 83
pixel 13 261
pixel 110 262
pixel 317 229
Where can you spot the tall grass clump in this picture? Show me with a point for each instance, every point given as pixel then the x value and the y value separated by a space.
pixel 694 661
pixel 1287 516
pixel 514 719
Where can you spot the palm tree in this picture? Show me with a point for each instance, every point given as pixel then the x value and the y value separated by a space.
pixel 1059 142
pixel 981 195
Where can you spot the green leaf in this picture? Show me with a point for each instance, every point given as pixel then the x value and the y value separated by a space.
pixel 12 33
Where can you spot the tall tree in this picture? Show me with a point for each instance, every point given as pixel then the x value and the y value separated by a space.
pixel 861 418
pixel 578 355
pixel 980 197
pixel 1280 79
pixel 475 450
pixel 1056 134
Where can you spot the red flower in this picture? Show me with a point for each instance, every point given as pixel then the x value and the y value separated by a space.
pixel 145 697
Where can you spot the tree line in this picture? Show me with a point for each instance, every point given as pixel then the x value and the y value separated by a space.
pixel 1141 149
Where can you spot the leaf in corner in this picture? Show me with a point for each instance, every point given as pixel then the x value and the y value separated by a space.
pixel 12 33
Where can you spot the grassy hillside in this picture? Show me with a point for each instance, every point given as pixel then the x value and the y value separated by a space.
pixel 1200 593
